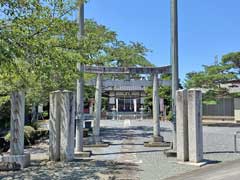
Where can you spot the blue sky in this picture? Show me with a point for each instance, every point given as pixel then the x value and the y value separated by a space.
pixel 206 28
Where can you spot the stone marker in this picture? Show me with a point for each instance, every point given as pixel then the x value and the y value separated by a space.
pixel 54 127
pixel 17 131
pixel 17 123
pixel 67 117
pixel 61 132
pixel 182 125
pixel 156 108
pixel 195 133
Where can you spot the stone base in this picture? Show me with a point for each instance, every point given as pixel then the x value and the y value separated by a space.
pixel 92 140
pixel 200 164
pixel 156 144
pixel 158 139
pixel 83 154
pixel 9 166
pixel 95 141
pixel 23 160
pixel 170 153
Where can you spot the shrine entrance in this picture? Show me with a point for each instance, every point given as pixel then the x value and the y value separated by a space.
pixel 125 96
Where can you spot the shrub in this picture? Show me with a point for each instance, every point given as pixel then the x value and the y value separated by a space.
pixel 29 135
pixel 170 116
pixel 45 115
pixel 42 134
pixel 5 115
pixel 4 145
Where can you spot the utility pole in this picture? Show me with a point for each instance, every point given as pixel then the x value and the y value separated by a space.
pixel 80 86
pixel 174 62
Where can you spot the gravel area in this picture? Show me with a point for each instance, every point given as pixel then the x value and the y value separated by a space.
pixel 127 158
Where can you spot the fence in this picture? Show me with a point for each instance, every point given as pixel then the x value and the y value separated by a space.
pixel 223 107
pixel 223 111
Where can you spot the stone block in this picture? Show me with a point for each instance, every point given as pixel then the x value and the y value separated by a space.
pixel 83 154
pixel 158 139
pixel 67 114
pixel 195 132
pixel 157 144
pixel 22 160
pixel 9 166
pixel 61 124
pixel 182 125
pixel 17 123
pixel 54 127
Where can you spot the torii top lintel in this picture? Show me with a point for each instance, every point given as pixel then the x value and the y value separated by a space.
pixel 127 70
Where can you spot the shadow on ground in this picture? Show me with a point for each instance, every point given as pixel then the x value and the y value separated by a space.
pixel 127 152
pixel 79 169
pixel 120 134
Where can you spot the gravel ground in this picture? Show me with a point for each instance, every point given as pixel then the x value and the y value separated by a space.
pixel 126 158
pixel 153 164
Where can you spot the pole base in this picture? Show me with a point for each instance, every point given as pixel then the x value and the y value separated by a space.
pixel 158 139
pixel 97 145
pixel 156 144
pixel 199 164
pixel 170 153
pixel 83 154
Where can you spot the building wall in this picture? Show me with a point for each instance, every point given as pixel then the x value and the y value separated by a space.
pixel 120 95
pixel 237 109
pixel 226 110
pixel 224 107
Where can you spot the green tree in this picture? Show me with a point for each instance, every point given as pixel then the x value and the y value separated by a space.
pixel 233 59
pixel 211 80
pixel 39 48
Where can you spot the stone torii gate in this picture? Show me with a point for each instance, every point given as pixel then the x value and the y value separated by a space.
pixel 174 70
pixel 100 70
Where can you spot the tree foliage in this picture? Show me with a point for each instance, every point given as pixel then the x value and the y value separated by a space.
pixel 39 48
pixel 233 59
pixel 212 77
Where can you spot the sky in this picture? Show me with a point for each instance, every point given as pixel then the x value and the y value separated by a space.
pixel 206 28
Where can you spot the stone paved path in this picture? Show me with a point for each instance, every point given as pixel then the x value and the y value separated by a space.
pixel 224 171
pixel 128 137
pixel 126 158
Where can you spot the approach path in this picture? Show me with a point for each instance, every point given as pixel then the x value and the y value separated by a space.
pixel 224 171
pixel 127 158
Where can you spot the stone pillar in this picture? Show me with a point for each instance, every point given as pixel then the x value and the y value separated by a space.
pixel 54 127
pixel 117 104
pixel 61 126
pixel 98 103
pixel 17 123
pixel 135 105
pixel 141 112
pixel 67 117
pixel 156 128
pixel 80 110
pixel 195 133
pixel 17 154
pixel 182 125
